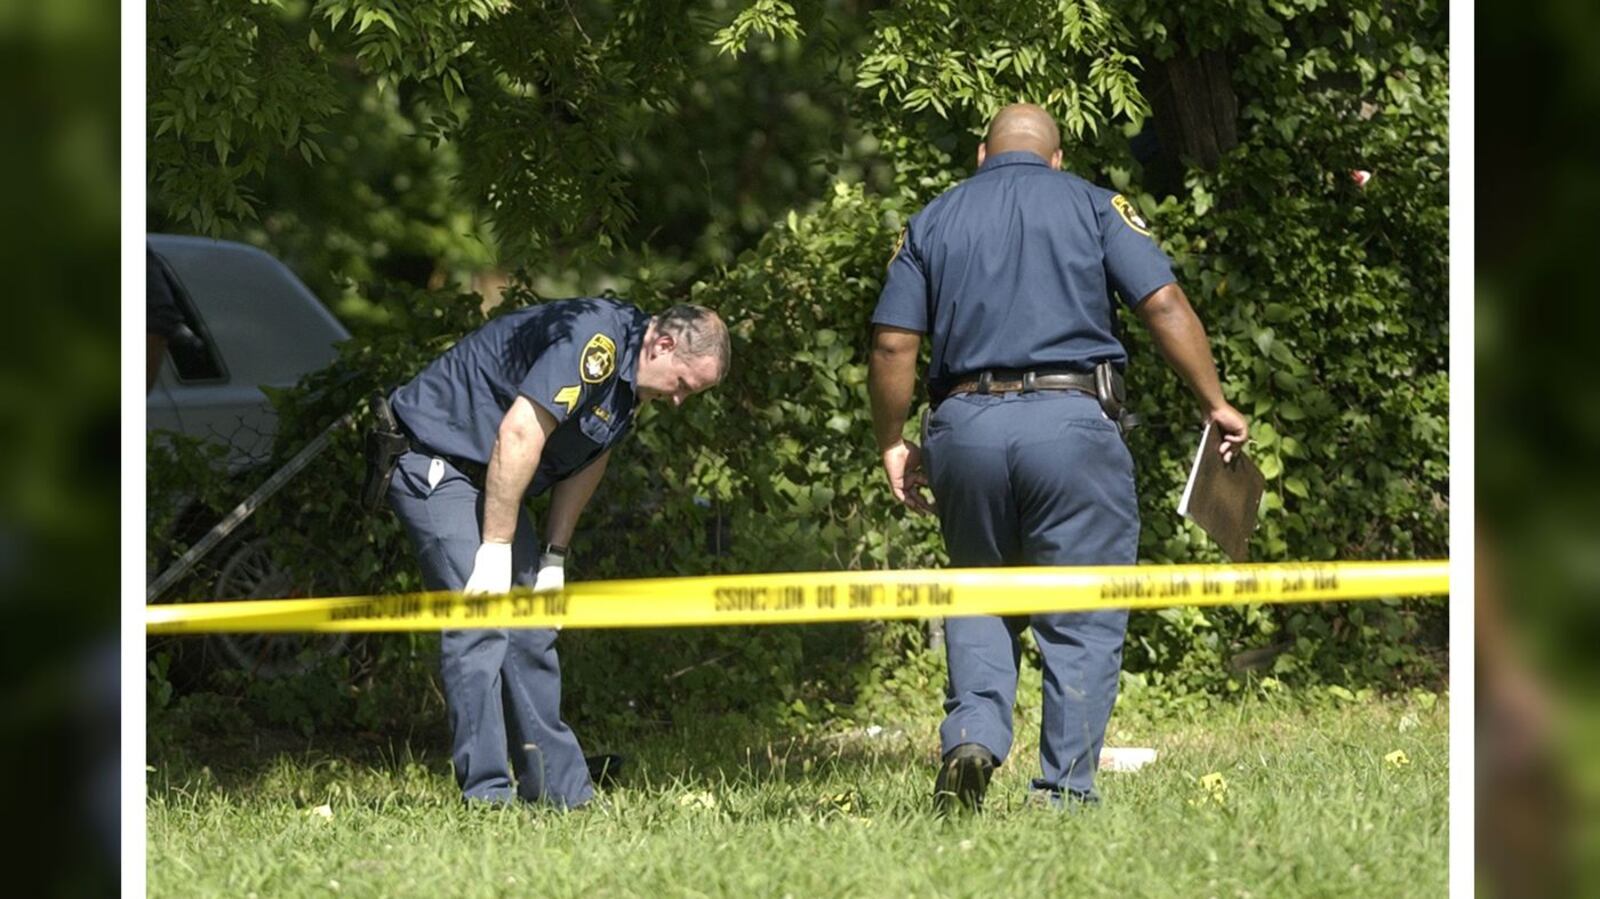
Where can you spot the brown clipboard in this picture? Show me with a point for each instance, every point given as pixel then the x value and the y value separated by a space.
pixel 1224 498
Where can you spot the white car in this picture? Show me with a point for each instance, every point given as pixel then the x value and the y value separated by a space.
pixel 253 324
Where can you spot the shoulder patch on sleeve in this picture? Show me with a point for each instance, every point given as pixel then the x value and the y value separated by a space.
pixel 1129 214
pixel 599 359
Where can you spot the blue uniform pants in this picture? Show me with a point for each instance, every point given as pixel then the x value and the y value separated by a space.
pixel 1033 479
pixel 503 687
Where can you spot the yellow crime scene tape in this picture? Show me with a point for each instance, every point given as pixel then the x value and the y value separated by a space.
pixel 801 597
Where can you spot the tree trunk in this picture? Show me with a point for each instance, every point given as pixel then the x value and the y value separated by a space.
pixel 1196 112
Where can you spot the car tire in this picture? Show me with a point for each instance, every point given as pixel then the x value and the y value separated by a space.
pixel 249 571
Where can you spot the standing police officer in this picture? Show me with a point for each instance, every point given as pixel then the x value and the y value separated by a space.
pixel 532 401
pixel 1011 273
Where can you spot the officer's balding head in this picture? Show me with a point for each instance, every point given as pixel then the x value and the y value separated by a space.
pixel 685 350
pixel 1023 126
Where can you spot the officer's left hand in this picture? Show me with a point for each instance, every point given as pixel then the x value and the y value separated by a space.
pixel 552 573
pixel 903 463
pixel 1235 429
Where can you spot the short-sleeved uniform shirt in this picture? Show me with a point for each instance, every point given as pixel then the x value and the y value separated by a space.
pixel 1013 269
pixel 575 358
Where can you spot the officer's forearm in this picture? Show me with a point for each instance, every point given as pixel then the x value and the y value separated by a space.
pixel 891 381
pixel 511 468
pixel 515 458
pixel 1182 340
pixel 570 497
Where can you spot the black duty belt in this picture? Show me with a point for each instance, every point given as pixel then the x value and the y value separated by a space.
pixel 1005 381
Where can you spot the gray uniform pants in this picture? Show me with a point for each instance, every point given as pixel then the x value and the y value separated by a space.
pixel 1033 479
pixel 503 687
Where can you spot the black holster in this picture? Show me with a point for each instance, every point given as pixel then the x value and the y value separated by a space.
pixel 385 444
pixel 1112 393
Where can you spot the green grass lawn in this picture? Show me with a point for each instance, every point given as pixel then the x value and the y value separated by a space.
pixel 1310 807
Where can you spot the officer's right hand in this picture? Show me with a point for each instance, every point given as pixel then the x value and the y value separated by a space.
pixel 491 569
pixel 1234 426
pixel 903 463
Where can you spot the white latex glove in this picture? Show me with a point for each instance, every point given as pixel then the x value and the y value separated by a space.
pixel 552 573
pixel 491 569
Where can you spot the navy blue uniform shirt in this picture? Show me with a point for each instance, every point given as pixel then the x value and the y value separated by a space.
pixel 575 358
pixel 1013 268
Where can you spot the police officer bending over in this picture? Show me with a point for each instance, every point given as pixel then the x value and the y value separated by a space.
pixel 1011 273
pixel 532 401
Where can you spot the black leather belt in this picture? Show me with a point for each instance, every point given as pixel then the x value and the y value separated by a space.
pixel 476 472
pixel 1005 381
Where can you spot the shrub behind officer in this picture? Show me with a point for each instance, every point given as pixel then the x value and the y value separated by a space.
pixel 531 402
pixel 1011 274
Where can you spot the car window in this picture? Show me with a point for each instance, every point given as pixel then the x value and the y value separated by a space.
pixel 193 353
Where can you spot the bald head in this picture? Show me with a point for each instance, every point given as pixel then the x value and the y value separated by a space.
pixel 1023 126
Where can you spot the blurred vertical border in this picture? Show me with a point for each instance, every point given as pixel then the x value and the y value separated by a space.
pixel 1537 332
pixel 59 433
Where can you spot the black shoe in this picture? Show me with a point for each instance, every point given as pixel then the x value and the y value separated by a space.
pixel 963 778
pixel 604 770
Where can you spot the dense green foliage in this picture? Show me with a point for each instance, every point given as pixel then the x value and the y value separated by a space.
pixel 761 160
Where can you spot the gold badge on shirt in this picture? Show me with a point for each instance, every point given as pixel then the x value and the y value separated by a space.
pixel 599 359
pixel 1129 214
